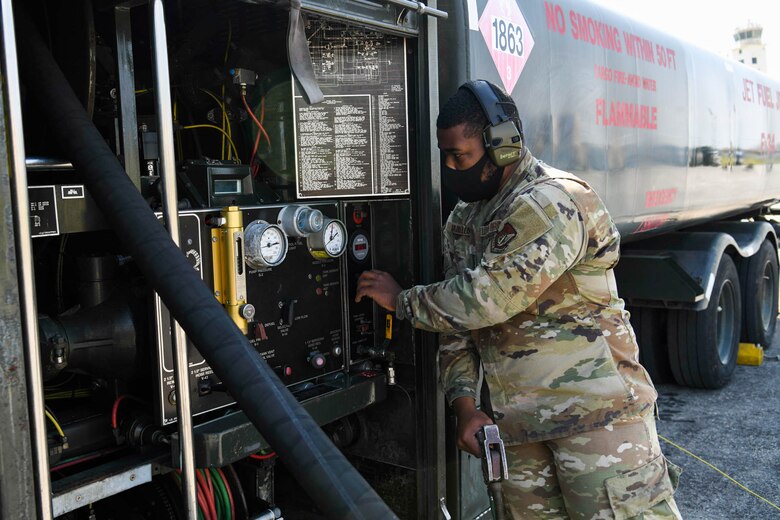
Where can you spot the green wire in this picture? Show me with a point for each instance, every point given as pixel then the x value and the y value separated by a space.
pixel 217 478
pixel 178 481
pixel 217 501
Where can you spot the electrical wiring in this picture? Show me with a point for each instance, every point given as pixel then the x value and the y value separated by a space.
pixel 236 484
pixel 212 495
pixel 68 394
pixel 225 118
pixel 208 495
pixel 223 506
pixel 199 496
pixel 252 163
pixel 224 491
pixel 86 458
pixel 219 500
pixel 254 118
pixel 214 127
pixel 229 492
pixel 56 424
pixel 115 408
pixel 263 456
pixel 215 98
pixel 203 503
pixel 252 158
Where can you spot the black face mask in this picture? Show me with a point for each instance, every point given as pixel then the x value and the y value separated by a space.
pixel 468 185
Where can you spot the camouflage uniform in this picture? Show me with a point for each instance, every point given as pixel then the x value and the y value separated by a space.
pixel 529 295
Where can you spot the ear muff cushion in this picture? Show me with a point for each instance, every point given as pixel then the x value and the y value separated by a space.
pixel 502 138
pixel 503 143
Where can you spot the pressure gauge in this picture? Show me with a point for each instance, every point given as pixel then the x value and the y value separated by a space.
pixel 300 221
pixel 266 244
pixel 330 242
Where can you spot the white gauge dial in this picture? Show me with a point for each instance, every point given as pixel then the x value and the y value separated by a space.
pixel 266 244
pixel 273 245
pixel 335 237
pixel 330 242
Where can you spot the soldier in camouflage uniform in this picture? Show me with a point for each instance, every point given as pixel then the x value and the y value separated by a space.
pixel 529 300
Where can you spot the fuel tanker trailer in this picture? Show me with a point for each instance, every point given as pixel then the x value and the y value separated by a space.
pixel 680 144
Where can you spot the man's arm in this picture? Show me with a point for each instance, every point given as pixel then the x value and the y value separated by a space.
pixel 459 376
pixel 543 243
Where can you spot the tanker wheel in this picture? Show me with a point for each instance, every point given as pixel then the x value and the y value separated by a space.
pixel 650 328
pixel 758 277
pixel 703 344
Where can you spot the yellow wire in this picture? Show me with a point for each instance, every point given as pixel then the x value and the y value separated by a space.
pixel 225 117
pixel 719 471
pixel 214 97
pixel 55 423
pixel 67 394
pixel 235 150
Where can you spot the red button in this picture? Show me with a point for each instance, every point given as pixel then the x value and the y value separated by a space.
pixel 287 371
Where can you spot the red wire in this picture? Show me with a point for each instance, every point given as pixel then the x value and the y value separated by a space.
pixel 263 457
pixel 202 502
pixel 208 499
pixel 229 493
pixel 212 498
pixel 86 458
pixel 254 152
pixel 254 118
pixel 115 408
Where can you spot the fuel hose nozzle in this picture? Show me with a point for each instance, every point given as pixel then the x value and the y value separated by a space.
pixel 494 467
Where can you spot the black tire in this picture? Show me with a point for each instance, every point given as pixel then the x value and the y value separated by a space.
pixel 650 328
pixel 703 345
pixel 758 278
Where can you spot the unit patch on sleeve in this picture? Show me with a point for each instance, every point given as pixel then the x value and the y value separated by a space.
pixel 503 238
pixel 526 223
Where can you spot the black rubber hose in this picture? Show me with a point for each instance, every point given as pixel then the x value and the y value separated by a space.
pixel 322 470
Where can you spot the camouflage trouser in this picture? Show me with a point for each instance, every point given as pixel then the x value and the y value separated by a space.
pixel 613 472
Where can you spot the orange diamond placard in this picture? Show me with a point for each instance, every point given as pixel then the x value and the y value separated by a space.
pixel 508 38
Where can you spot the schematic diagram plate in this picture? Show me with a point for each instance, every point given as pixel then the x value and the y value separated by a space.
pixel 354 143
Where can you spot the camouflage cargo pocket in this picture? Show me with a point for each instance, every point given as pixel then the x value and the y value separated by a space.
pixel 638 490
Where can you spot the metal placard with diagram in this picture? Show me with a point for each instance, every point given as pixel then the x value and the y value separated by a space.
pixel 355 142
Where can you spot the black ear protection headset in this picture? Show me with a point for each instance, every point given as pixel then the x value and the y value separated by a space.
pixel 503 139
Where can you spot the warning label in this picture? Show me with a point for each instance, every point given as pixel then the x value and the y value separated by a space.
pixel 355 143
pixel 508 38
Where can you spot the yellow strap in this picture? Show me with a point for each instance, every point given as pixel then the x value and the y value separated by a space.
pixel 719 471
